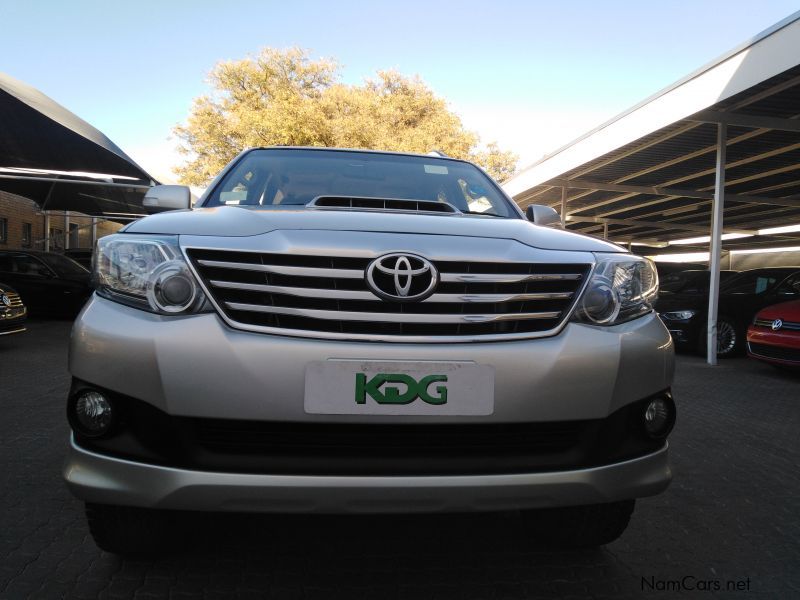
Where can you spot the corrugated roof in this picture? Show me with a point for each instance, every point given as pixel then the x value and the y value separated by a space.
pixel 611 171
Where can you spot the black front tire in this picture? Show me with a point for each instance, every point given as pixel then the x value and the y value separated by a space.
pixel 580 526
pixel 730 338
pixel 132 531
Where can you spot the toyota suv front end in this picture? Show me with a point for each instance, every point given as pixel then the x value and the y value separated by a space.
pixel 352 331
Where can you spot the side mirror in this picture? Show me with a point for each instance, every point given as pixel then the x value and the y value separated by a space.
pixel 539 214
pixel 167 197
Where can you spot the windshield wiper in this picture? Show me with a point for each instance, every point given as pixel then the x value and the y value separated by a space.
pixel 485 214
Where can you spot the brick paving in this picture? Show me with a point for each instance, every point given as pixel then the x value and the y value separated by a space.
pixel 732 514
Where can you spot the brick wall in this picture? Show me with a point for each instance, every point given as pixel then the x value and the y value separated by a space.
pixel 18 210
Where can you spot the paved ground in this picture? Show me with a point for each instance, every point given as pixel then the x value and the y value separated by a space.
pixel 732 514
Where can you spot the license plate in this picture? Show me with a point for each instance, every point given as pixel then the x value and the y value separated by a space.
pixel 357 387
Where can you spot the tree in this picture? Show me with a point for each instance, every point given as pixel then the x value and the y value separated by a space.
pixel 282 97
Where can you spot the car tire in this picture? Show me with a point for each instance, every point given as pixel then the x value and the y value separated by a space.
pixel 132 531
pixel 580 526
pixel 730 338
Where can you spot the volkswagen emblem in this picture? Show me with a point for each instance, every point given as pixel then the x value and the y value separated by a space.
pixel 402 277
pixel 6 300
pixel 777 324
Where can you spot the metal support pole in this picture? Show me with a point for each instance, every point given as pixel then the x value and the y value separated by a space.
pixel 605 231
pixel 94 232
pixel 47 232
pixel 563 206
pixel 66 230
pixel 715 244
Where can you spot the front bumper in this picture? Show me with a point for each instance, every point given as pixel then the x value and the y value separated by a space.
pixel 102 479
pixel 197 367
pixel 12 320
pixel 683 332
pixel 778 347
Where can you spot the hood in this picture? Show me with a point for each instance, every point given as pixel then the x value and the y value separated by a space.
pixel 787 311
pixel 668 302
pixel 244 222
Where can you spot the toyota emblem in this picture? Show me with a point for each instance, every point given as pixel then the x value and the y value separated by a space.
pixel 402 277
pixel 777 324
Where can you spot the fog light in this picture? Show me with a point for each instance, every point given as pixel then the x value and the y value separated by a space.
pixel 659 417
pixel 92 414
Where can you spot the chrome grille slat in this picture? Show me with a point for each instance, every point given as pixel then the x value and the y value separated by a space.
pixel 497 298
pixel 286 270
pixel 389 317
pixel 15 300
pixel 369 296
pixel 328 296
pixel 295 291
pixel 510 278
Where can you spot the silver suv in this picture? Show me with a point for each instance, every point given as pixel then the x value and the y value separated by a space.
pixel 341 331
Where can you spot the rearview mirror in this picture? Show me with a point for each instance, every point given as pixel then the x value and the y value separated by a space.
pixel 167 197
pixel 540 214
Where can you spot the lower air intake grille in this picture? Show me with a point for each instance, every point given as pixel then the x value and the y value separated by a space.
pixel 776 352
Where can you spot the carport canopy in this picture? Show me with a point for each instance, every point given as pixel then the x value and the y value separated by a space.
pixel 59 161
pixel 711 161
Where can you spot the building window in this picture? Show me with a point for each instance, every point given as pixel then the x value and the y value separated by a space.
pixel 3 230
pixel 27 235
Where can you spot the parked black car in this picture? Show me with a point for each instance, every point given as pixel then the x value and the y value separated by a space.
pixel 666 269
pixel 50 283
pixel 12 311
pixel 691 281
pixel 82 256
pixel 741 296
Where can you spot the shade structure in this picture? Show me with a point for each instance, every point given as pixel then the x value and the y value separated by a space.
pixel 650 174
pixel 712 163
pixel 61 162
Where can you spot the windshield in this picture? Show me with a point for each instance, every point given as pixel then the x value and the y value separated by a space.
pixel 756 282
pixel 691 282
pixel 63 266
pixel 675 282
pixel 277 178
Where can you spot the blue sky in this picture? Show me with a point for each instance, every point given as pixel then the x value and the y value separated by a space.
pixel 531 75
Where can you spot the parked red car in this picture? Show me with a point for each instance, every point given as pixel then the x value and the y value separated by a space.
pixel 774 336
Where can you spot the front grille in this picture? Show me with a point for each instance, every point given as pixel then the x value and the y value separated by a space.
pixel 14 299
pixel 776 352
pixel 767 323
pixel 329 295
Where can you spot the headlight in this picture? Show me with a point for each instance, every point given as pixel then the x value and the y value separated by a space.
pixel 679 315
pixel 147 272
pixel 622 287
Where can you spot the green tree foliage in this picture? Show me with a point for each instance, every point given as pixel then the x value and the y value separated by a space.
pixel 282 97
